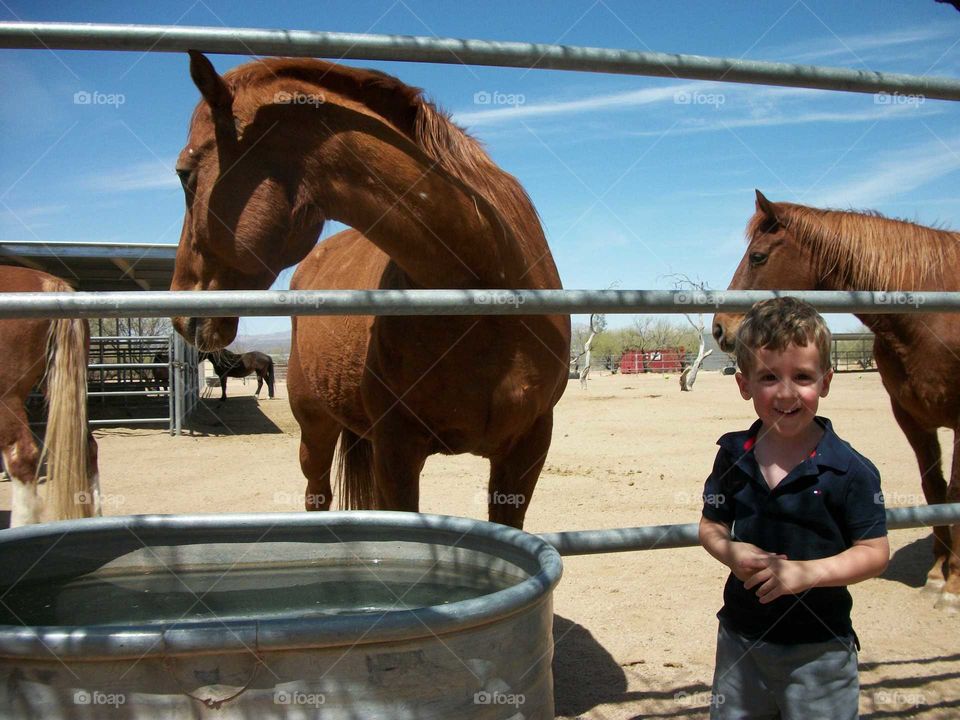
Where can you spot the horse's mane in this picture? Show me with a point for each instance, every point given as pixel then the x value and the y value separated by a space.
pixel 868 251
pixel 430 128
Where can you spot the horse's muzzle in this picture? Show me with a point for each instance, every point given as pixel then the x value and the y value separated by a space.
pixel 724 331
pixel 207 334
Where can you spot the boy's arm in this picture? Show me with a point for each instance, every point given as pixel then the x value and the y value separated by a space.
pixel 743 559
pixel 864 560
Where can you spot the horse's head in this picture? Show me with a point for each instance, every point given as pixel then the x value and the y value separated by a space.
pixel 774 260
pixel 246 217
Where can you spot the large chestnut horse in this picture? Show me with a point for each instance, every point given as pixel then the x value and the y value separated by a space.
pixel 54 352
pixel 793 247
pixel 278 146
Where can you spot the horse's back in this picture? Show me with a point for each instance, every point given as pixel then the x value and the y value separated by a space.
pixel 328 353
pixel 345 261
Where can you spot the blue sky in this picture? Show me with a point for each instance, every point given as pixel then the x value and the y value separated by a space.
pixel 635 178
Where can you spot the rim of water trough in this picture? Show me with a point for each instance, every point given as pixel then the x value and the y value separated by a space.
pixel 31 545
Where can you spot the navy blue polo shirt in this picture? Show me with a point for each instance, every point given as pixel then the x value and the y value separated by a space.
pixel 823 506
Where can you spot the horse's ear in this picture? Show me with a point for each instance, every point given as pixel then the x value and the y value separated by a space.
pixel 210 84
pixel 765 206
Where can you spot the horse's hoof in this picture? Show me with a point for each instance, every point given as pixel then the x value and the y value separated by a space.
pixel 949 603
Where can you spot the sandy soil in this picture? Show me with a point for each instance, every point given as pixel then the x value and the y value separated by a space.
pixel 634 631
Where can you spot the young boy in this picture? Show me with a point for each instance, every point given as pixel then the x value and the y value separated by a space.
pixel 797 515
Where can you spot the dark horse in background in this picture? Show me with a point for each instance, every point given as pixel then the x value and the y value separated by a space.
pixel 229 364
pixel 161 376
pixel 794 247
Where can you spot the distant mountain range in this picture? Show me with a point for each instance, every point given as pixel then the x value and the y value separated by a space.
pixel 277 343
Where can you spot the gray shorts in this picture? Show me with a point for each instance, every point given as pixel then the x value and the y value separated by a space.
pixel 811 681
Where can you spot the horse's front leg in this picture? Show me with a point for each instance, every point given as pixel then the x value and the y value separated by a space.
pixel 399 453
pixel 318 441
pixel 223 388
pixel 20 457
pixel 514 474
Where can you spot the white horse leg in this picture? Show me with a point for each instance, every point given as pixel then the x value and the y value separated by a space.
pixel 26 506
pixel 95 492
pixel 20 458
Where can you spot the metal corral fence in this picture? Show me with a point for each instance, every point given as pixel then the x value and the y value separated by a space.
pixel 138 380
pixel 67 36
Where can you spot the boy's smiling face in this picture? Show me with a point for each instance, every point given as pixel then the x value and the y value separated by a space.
pixel 786 387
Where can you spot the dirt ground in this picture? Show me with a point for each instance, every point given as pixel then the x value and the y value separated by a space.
pixel 634 632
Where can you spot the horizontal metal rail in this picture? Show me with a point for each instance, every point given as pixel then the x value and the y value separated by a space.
pixel 131 421
pixel 125 393
pixel 132 339
pixel 126 366
pixel 660 537
pixel 218 303
pixel 406 48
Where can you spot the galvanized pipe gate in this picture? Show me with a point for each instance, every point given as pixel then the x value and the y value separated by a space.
pixel 244 41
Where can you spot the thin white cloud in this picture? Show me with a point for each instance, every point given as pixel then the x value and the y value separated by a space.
pixel 32 212
pixel 893 176
pixel 595 103
pixel 150 175
pixel 858 47
pixel 881 112
pixel 716 105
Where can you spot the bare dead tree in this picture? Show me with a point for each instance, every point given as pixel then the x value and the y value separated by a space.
pixel 689 375
pixel 598 324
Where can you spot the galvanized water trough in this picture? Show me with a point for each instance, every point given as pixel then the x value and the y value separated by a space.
pixel 334 615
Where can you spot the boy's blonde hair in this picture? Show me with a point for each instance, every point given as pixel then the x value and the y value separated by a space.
pixel 776 323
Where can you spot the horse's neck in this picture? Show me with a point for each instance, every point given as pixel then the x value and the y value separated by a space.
pixel 439 231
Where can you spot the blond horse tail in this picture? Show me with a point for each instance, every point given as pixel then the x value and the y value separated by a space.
pixel 355 485
pixel 69 494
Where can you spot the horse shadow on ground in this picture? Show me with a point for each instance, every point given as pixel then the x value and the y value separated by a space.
pixel 909 564
pixel 586 675
pixel 241 415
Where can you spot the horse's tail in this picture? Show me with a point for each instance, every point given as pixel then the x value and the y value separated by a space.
pixel 65 445
pixel 270 375
pixel 355 485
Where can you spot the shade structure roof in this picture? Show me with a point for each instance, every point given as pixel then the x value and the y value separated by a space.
pixel 96 266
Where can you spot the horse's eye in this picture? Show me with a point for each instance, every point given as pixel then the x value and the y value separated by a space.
pixel 757 259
